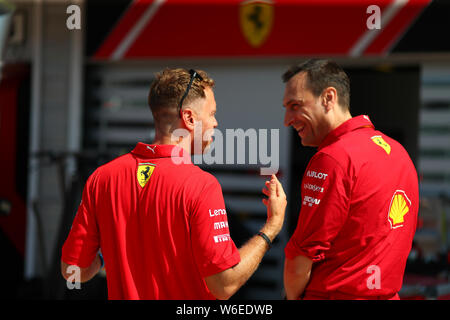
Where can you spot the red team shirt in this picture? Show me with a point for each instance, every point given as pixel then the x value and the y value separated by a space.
pixel 160 222
pixel 358 217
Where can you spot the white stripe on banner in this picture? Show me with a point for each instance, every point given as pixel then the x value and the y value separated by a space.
pixel 129 39
pixel 367 38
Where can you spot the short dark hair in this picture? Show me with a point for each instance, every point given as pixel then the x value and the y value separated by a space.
pixel 321 74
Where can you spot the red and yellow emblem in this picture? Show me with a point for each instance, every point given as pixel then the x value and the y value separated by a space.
pixel 398 208
pixel 144 172
pixel 379 141
pixel 256 18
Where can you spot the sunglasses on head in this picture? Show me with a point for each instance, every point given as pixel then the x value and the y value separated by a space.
pixel 194 75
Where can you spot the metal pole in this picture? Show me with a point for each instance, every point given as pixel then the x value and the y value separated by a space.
pixel 75 111
pixel 35 134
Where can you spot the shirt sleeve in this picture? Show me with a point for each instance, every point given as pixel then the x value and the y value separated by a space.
pixel 214 250
pixel 83 242
pixel 325 204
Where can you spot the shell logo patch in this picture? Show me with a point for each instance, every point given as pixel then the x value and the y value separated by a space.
pixel 398 208
pixel 256 18
pixel 379 141
pixel 144 172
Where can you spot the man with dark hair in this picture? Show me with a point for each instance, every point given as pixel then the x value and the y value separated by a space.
pixel 321 74
pixel 161 221
pixel 359 195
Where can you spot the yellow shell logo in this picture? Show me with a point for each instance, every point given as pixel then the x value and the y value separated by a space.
pixel 379 141
pixel 144 173
pixel 398 209
pixel 256 18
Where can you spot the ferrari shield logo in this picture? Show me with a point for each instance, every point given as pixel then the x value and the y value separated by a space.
pixel 144 173
pixel 256 17
pixel 379 141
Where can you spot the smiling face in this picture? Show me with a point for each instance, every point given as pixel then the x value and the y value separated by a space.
pixel 305 112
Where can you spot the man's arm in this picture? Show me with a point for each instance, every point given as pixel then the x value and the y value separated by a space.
pixel 296 276
pixel 86 274
pixel 224 284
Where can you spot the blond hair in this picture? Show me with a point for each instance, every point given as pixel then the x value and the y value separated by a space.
pixel 169 86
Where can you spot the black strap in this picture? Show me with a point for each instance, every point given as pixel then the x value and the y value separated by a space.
pixel 266 238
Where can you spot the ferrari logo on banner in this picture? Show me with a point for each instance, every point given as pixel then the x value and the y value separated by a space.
pixel 144 173
pixel 256 18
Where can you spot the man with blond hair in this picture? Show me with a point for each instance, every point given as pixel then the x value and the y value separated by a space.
pixel 161 221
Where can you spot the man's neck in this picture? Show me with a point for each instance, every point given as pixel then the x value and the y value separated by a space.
pixel 164 140
pixel 339 119
pixel 161 139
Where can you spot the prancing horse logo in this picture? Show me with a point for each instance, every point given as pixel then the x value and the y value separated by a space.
pixel 144 172
pixel 256 18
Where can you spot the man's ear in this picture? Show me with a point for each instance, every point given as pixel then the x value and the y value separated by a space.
pixel 188 117
pixel 329 98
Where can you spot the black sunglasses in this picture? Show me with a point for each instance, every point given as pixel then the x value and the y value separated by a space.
pixel 194 75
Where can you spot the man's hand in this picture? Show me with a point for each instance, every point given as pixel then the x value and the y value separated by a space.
pixel 224 284
pixel 86 273
pixel 276 207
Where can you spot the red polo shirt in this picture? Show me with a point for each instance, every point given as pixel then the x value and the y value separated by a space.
pixel 160 222
pixel 358 217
